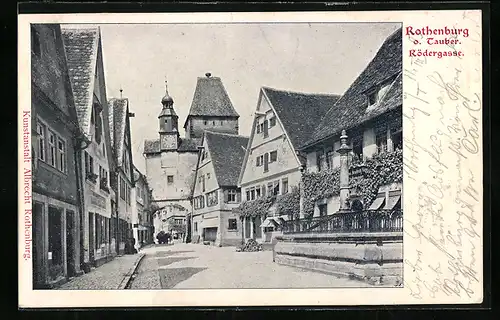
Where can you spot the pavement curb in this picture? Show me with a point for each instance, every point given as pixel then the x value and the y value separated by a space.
pixel 126 280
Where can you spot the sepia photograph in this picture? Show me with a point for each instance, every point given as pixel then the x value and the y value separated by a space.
pixel 212 156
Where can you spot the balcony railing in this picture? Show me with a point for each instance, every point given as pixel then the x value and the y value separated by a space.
pixel 349 222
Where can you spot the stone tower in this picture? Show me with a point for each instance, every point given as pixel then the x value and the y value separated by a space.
pixel 168 124
pixel 211 109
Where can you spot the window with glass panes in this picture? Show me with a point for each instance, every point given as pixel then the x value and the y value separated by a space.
pixel 51 147
pixel 231 195
pixel 284 184
pixel 232 224
pixel 381 138
pixel 41 141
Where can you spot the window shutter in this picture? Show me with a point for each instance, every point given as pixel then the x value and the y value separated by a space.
pixel 226 198
pixel 263 190
pixel 238 196
pixel 266 162
pixel 266 128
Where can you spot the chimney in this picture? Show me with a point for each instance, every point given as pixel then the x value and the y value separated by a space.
pixel 208 74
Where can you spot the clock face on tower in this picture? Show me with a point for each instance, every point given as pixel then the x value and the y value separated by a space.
pixel 168 141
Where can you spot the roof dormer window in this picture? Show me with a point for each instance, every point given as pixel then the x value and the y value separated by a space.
pixel 372 98
pixel 377 93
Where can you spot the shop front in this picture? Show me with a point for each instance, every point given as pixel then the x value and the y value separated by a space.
pixel 55 241
pixel 99 230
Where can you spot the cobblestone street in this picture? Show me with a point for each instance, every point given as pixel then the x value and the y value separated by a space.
pixel 110 276
pixel 195 266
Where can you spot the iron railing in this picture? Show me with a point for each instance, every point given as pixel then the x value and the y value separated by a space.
pixel 348 222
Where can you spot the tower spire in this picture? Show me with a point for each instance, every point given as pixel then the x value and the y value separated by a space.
pixel 167 100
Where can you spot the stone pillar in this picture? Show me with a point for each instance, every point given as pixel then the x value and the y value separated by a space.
pixel 344 172
pixel 251 227
pixel 243 228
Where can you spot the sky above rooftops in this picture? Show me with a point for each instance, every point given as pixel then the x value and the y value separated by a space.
pixel 315 58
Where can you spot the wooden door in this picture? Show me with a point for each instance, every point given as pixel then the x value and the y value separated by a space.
pixel 91 237
pixel 38 246
pixel 70 243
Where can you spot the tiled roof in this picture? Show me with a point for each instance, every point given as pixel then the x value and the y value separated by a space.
pixel 211 99
pixel 118 109
pixel 189 145
pixel 81 47
pixel 227 152
pixel 185 145
pixel 392 99
pixel 350 109
pixel 299 112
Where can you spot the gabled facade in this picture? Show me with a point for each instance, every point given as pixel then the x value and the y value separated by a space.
pixel 56 138
pixel 123 179
pixel 370 112
pixel 272 163
pixel 85 64
pixel 215 190
pixel 144 214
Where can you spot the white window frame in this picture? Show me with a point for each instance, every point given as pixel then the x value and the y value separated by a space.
pixel 283 184
pixel 270 153
pixel 41 128
pixel 52 147
pixel 228 224
pixel 231 193
pixel 272 119
pixel 62 163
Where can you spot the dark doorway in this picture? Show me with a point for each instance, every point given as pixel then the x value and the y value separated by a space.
pixel 323 209
pixel 91 237
pixel 38 243
pixel 70 243
pixel 247 228
pixel 357 205
pixel 82 236
pixel 257 230
pixel 55 243
pixel 210 234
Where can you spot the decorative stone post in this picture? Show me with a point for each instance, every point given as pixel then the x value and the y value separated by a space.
pixel 344 172
pixel 252 220
pixel 243 229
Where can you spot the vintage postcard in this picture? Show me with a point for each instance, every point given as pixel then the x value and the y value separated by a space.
pixel 244 159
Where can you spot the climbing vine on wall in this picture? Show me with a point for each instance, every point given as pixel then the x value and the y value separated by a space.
pixel 381 169
pixel 285 204
pixel 289 203
pixel 257 207
pixel 319 185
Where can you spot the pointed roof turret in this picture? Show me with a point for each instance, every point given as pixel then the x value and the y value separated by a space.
pixel 167 100
pixel 168 104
